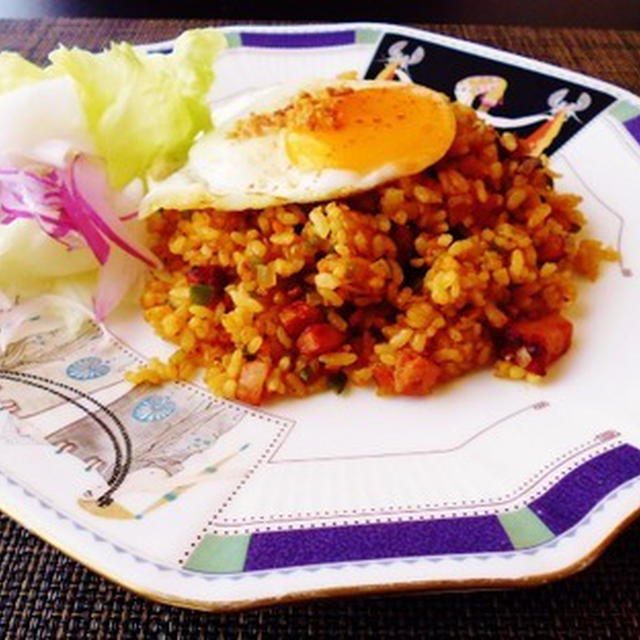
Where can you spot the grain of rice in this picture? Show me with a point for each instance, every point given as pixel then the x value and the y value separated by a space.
pixel 508 141
pixel 401 338
pixel 337 321
pixel 229 389
pixel 419 342
pixel 326 281
pixel 235 364
pixel 254 345
pixel 283 338
pixel 337 360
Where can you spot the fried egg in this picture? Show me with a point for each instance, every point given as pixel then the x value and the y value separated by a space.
pixel 308 143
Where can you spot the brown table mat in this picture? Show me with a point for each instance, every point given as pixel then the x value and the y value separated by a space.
pixel 43 594
pixel 608 54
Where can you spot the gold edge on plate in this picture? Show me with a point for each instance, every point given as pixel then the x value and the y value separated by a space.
pixel 332 592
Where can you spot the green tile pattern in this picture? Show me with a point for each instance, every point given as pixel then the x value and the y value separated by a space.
pixel 219 554
pixel 623 110
pixel 367 36
pixel 524 528
pixel 233 40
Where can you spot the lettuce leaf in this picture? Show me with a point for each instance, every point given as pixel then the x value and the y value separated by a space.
pixel 41 116
pixel 16 72
pixel 143 110
pixel 137 112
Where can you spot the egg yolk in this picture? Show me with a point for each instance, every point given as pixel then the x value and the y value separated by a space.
pixel 409 126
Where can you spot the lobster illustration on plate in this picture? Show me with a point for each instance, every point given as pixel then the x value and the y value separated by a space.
pixel 486 92
pixel 398 62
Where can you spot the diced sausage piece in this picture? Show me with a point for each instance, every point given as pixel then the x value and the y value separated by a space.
pixel 414 375
pixel 296 316
pixel 363 346
pixel 383 375
pixel 318 339
pixel 214 277
pixel 403 239
pixel 253 375
pixel 552 250
pixel 536 344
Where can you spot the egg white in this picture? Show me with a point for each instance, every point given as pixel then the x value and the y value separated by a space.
pixel 234 174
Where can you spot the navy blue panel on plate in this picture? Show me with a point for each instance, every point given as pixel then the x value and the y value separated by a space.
pixel 513 98
pixel 373 541
pixel 567 502
pixel 297 40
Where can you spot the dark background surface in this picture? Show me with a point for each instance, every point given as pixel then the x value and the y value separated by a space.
pixel 43 594
pixel 622 14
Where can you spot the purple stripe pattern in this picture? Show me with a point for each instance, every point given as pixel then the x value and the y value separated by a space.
pixel 297 40
pixel 373 541
pixel 560 508
pixel 633 127
pixel 566 503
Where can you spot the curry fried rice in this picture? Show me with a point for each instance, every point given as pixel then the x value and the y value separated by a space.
pixel 467 264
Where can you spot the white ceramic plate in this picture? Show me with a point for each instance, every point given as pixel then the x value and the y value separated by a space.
pixel 199 502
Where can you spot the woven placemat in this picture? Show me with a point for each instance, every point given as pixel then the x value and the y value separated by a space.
pixel 608 54
pixel 43 594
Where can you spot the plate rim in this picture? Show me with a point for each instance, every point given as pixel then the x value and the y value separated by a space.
pixel 436 37
pixel 590 555
pixel 327 593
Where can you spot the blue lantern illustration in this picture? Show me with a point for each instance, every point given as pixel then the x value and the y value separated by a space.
pixel 153 409
pixel 88 368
